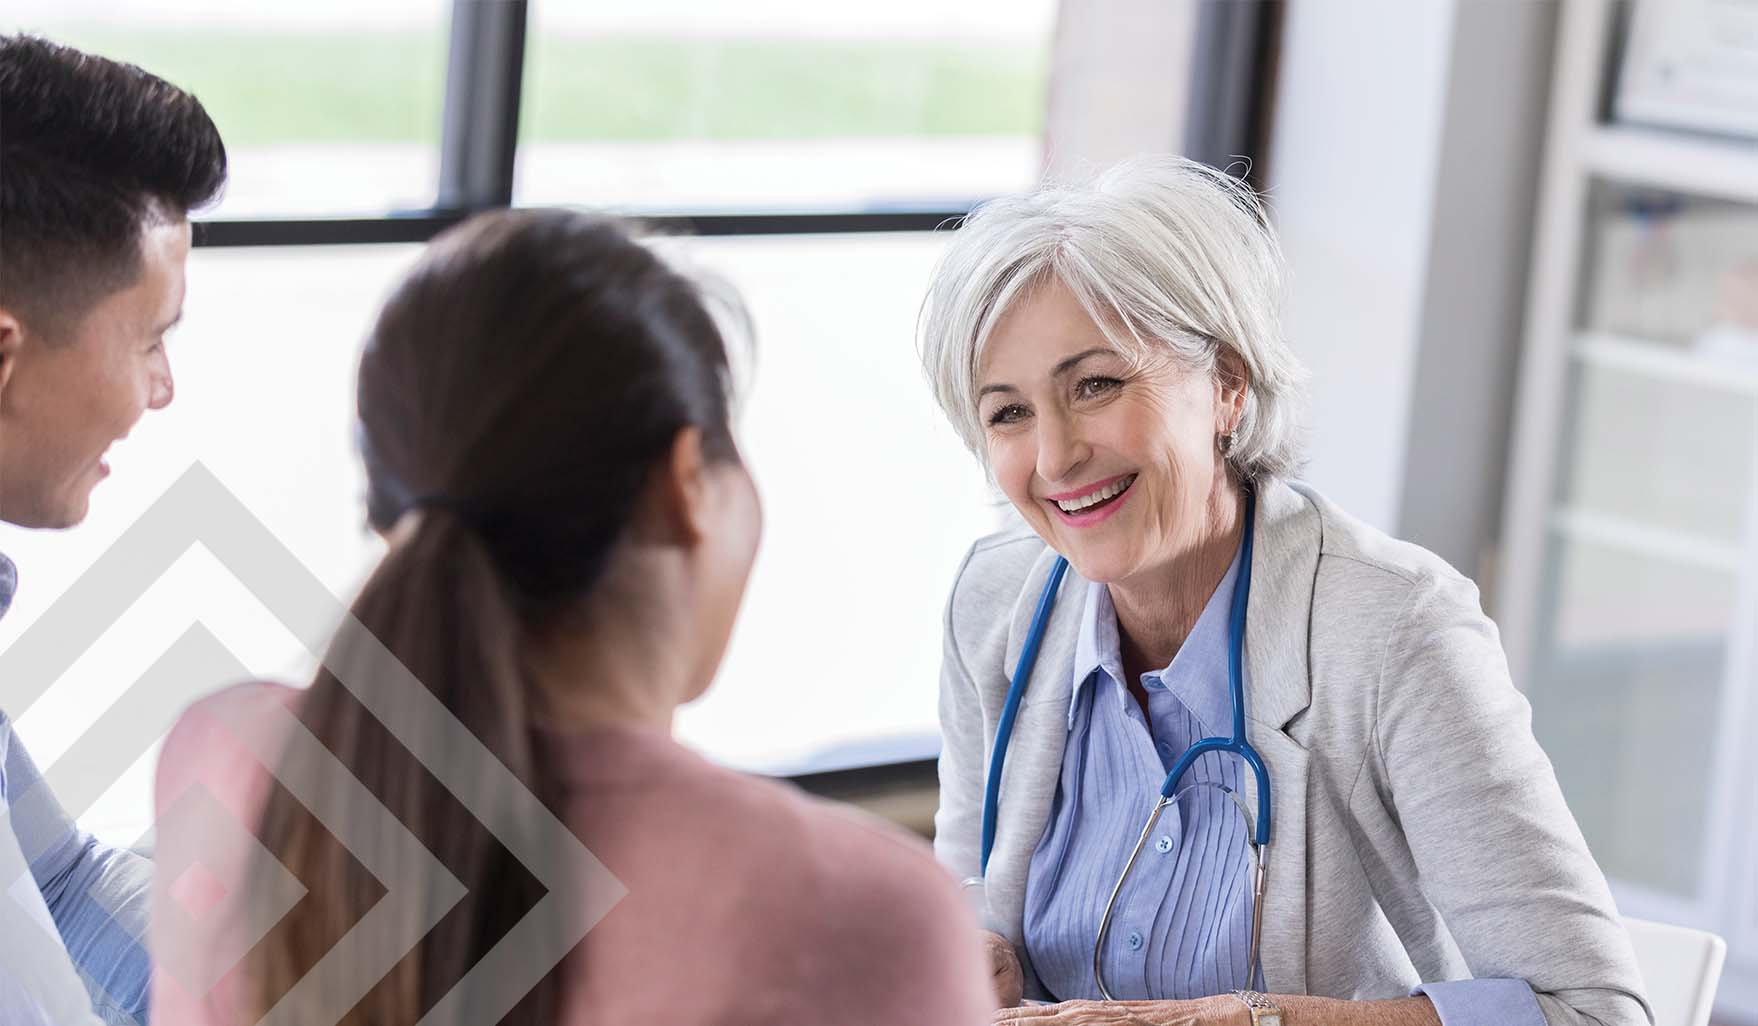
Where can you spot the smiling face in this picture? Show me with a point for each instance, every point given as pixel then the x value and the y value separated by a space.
pixel 64 402
pixel 1114 466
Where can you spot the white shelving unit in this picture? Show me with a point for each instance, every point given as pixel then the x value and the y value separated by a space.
pixel 1628 586
pixel 1725 169
pixel 1645 540
pixel 1638 356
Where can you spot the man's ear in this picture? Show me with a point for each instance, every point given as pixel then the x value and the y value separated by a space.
pixel 674 507
pixel 11 340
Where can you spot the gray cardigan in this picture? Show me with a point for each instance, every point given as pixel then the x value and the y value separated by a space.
pixel 1419 833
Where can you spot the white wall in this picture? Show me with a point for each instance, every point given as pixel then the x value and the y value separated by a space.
pixel 1119 81
pixel 1456 464
pixel 1352 174
pixel 1402 173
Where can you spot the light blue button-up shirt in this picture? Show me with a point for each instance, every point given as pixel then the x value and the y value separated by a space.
pixel 95 895
pixel 1182 926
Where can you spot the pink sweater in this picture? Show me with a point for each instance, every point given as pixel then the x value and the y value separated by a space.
pixel 747 903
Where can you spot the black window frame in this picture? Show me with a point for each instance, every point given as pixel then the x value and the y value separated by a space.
pixel 479 141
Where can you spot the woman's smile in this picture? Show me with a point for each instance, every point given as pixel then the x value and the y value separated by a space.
pixel 1093 503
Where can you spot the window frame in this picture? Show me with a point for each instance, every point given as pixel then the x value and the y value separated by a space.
pixel 479 142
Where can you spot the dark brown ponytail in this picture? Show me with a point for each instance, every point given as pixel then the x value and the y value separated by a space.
pixel 514 395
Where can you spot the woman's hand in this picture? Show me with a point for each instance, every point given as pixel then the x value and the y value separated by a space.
pixel 1223 1010
pixel 1008 979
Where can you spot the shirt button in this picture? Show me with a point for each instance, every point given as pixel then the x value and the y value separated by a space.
pixel 1134 941
pixel 1165 748
pixel 1163 845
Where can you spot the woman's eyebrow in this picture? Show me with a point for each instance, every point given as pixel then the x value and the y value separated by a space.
pixel 1074 361
pixel 1061 369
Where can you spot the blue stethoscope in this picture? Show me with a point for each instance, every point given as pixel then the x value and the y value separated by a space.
pixel 1169 792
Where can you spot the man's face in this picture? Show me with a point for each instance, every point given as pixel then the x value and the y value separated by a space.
pixel 63 402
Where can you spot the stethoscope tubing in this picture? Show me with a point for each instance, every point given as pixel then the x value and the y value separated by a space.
pixel 1028 656
pixel 1236 745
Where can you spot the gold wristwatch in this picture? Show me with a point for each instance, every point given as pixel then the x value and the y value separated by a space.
pixel 1263 1011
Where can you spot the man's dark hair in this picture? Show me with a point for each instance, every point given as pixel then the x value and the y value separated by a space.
pixel 92 151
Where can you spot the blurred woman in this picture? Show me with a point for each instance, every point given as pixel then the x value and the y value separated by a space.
pixel 544 420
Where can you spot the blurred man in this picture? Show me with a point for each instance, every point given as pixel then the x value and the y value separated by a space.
pixel 100 164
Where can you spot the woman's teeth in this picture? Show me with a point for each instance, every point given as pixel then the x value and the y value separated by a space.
pixel 1110 491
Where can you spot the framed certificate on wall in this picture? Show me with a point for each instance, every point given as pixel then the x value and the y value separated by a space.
pixel 1692 64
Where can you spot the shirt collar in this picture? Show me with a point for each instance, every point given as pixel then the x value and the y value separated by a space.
pixel 1097 647
pixel 1197 675
pixel 8 583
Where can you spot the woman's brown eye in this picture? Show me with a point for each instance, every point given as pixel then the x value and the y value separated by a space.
pixel 1095 386
pixel 1007 414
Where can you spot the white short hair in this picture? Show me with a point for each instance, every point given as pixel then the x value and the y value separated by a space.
pixel 1168 256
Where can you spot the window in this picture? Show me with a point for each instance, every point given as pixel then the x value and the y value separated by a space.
pixel 803 150
pixel 869 504
pixel 784 104
pixel 326 106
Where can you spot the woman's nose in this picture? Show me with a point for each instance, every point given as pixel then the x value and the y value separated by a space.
pixel 1060 449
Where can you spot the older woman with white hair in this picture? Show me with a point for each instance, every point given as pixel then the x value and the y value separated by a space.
pixel 1215 751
